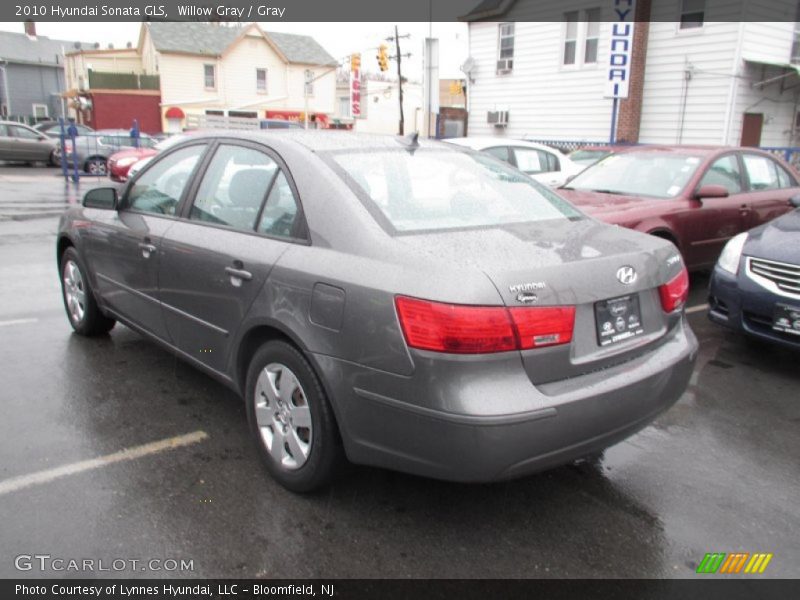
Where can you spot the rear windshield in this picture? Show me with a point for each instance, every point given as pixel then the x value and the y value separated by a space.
pixel 434 190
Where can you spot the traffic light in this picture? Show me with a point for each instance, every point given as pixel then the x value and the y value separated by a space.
pixel 383 58
pixel 355 62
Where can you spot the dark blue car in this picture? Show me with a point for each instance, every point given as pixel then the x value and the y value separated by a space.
pixel 755 286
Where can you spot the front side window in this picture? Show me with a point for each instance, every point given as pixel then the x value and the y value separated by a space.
pixel 692 14
pixel 725 172
pixel 436 190
pixel 210 76
pixel 762 172
pixel 501 152
pixel 649 174
pixel 261 80
pixel 505 47
pixel 23 133
pixel 159 189
pixel 234 187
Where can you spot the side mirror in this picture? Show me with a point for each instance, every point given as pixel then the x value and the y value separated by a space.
pixel 711 191
pixel 104 197
pixel 795 201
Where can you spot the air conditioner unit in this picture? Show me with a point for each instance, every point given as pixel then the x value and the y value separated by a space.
pixel 498 118
pixel 505 65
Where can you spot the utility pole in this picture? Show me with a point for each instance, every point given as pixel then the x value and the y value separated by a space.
pixel 398 58
pixel 399 80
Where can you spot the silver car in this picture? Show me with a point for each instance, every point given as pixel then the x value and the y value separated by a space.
pixel 20 143
pixel 398 302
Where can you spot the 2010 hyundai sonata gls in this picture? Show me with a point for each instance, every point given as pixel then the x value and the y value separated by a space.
pixel 403 303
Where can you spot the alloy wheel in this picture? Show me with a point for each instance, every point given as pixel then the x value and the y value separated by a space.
pixel 74 291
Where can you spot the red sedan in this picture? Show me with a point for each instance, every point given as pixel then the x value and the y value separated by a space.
pixel 120 162
pixel 698 197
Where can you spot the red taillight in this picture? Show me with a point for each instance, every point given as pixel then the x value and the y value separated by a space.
pixel 675 292
pixel 461 329
pixel 543 325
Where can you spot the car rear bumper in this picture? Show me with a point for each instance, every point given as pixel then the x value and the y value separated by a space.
pixel 551 425
pixel 740 304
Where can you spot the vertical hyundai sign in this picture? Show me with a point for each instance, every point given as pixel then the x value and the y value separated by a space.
pixel 620 49
pixel 355 93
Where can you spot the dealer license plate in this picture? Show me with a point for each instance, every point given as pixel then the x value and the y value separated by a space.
pixel 786 319
pixel 618 319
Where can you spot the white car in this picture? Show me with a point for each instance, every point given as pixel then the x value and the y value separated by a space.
pixel 544 164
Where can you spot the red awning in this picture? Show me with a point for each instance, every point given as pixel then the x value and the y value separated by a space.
pixel 175 113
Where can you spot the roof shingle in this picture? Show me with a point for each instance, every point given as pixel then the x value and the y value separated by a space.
pixel 19 48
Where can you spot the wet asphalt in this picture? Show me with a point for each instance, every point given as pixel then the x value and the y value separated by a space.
pixel 719 472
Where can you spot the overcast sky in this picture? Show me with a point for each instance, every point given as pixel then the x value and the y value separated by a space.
pixel 340 39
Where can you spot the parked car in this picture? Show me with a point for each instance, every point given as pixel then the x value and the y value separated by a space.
pixel 755 286
pixel 53 128
pixel 405 303
pixel 281 124
pixel 20 143
pixel 588 155
pixel 544 164
pixel 93 150
pixel 126 163
pixel 698 197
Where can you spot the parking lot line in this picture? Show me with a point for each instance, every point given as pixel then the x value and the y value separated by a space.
pixel 23 481
pixel 698 308
pixel 17 322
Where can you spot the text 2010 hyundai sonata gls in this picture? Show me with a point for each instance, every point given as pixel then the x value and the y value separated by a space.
pixel 402 303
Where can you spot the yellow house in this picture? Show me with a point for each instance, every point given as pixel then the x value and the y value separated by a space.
pixel 213 69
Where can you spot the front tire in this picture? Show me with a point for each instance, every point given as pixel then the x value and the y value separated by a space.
pixel 82 311
pixel 290 418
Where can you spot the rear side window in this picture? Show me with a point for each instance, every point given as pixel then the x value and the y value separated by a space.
pixel 532 161
pixel 159 189
pixel 434 189
pixel 234 187
pixel 280 210
pixel 23 133
pixel 762 172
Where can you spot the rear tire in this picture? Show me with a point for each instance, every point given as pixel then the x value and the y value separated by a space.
pixel 290 418
pixel 82 311
pixel 55 158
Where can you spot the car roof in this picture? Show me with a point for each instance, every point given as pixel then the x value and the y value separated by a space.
pixel 481 142
pixel 320 140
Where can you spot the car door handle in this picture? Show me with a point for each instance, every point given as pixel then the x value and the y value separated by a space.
pixel 238 275
pixel 147 249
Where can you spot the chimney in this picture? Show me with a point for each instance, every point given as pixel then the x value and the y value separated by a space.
pixel 30 29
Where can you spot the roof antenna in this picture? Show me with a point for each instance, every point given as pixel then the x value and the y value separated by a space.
pixel 411 141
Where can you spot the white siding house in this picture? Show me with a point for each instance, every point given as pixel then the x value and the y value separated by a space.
pixel 698 82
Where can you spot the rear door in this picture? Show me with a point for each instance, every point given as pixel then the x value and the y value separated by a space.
pixel 243 217
pixel 125 245
pixel 6 144
pixel 770 188
pixel 27 144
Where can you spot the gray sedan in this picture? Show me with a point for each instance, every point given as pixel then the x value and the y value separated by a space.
pixel 398 302
pixel 21 143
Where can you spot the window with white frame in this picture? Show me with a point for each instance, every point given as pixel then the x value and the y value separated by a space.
pixel 309 82
pixel 795 58
pixel 692 13
pixel 581 36
pixel 505 47
pixel 40 111
pixel 570 37
pixel 261 81
pixel 210 76
pixel 592 35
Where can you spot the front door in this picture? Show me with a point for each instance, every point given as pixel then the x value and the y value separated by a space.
pixel 752 123
pixel 219 255
pixel 125 245
pixel 771 186
pixel 716 220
